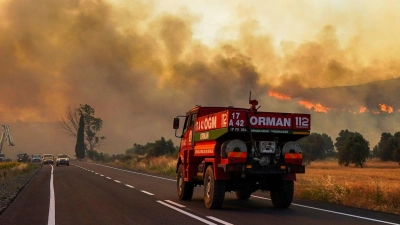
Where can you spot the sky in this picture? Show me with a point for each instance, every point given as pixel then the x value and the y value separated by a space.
pixel 141 63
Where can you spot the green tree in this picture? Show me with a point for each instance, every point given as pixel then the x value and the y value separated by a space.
pixel 161 147
pixel 97 156
pixel 137 149
pixel 343 135
pixel 374 153
pixel 158 148
pixel 352 148
pixel 92 125
pixel 385 147
pixel 316 146
pixel 396 147
pixel 328 147
pixel 80 142
pixel 171 149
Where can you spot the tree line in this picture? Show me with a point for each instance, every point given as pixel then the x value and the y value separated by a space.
pixel 158 148
pixel 350 148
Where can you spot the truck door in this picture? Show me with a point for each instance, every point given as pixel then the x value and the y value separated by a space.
pixel 187 141
pixel 187 146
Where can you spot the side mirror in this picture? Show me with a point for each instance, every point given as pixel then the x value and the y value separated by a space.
pixel 176 123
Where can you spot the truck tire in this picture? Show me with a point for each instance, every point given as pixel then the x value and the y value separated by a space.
pixel 282 198
pixel 214 190
pixel 242 194
pixel 184 189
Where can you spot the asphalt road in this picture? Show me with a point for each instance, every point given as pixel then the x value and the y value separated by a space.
pixel 85 193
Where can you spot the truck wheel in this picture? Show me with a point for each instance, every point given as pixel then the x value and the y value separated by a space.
pixel 283 197
pixel 185 189
pixel 214 190
pixel 242 194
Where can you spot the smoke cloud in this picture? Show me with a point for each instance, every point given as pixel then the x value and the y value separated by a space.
pixel 139 67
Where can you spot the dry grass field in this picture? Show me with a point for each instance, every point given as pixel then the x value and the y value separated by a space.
pixel 375 187
pixel 9 169
pixel 161 165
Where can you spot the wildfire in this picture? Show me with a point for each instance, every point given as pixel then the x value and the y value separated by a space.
pixel 363 109
pixel 386 108
pixel 318 107
pixel 279 96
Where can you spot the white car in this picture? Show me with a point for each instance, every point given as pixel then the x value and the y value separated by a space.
pixel 62 159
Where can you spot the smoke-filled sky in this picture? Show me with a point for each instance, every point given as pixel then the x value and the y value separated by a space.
pixel 140 63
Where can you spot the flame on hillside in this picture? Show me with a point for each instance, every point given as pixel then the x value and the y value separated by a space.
pixel 318 107
pixel 363 109
pixel 386 108
pixel 279 96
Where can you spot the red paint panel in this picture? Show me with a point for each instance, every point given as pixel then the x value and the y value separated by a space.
pixel 301 121
pixel 211 122
pixel 205 148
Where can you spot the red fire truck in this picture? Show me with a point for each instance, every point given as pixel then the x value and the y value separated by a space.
pixel 241 150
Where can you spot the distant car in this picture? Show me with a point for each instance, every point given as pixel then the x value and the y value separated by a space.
pixel 62 159
pixel 48 159
pixel 36 158
pixel 23 157
pixel 2 157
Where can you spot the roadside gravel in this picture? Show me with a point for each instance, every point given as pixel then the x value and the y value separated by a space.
pixel 11 186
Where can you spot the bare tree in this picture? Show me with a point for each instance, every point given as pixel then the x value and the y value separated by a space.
pixel 70 125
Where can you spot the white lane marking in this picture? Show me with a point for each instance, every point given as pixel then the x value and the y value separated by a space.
pixel 334 212
pixel 52 207
pixel 129 186
pixel 108 178
pixel 163 178
pixel 117 181
pixel 174 203
pixel 147 192
pixel 219 221
pixel 137 173
pixel 188 214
